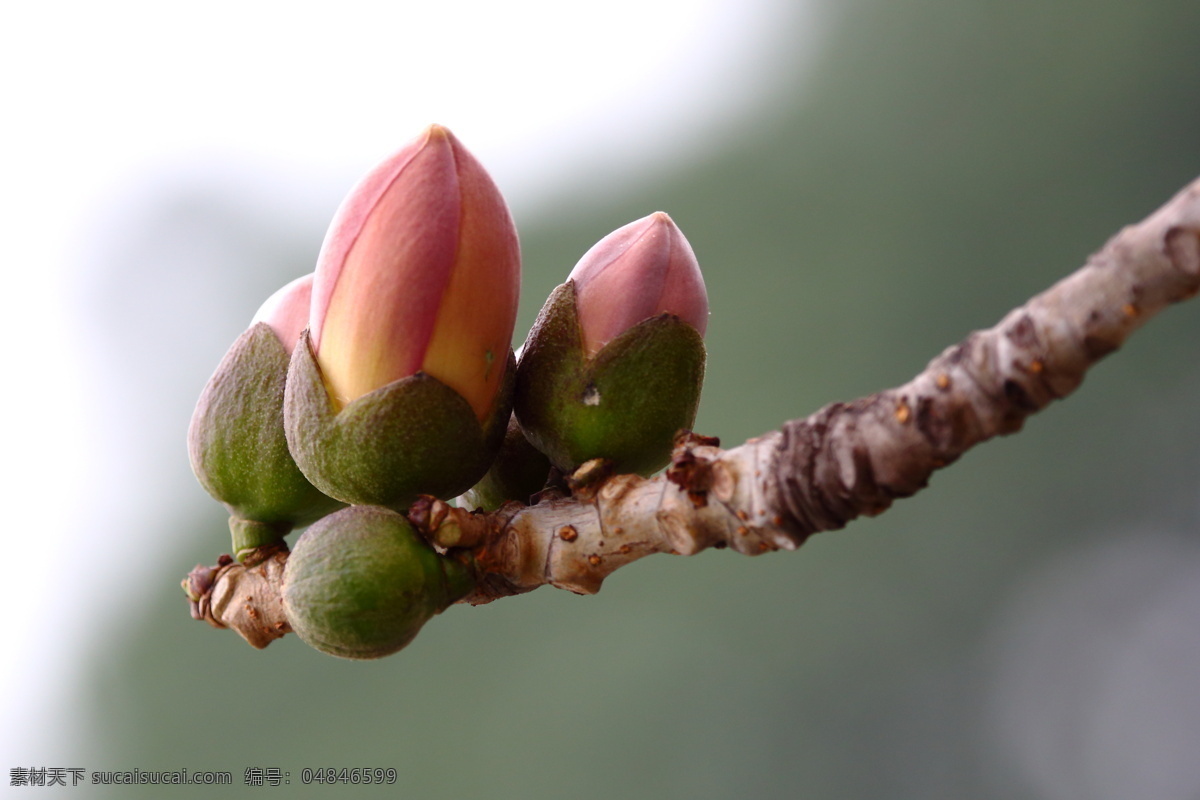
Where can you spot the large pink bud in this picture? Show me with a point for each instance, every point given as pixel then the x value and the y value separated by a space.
pixel 636 272
pixel 419 272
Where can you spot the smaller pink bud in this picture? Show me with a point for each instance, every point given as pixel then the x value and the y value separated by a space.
pixel 286 311
pixel 236 441
pixel 636 272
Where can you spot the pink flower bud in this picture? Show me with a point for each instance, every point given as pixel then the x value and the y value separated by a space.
pixel 236 441
pixel 419 272
pixel 642 269
pixel 286 311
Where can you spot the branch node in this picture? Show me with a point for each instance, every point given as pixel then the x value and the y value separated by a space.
pixel 1182 246
pixel 587 481
pixel 691 467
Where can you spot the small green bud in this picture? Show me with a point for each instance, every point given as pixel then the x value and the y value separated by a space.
pixel 360 583
pixel 412 436
pixel 519 472
pixel 236 440
pixel 614 364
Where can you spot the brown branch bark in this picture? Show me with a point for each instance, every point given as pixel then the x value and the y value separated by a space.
pixel 814 474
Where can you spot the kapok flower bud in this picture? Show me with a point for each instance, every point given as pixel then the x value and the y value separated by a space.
pixel 360 583
pixel 415 297
pixel 615 361
pixel 236 440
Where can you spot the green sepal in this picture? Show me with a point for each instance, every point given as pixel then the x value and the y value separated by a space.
pixel 518 472
pixel 625 404
pixel 411 437
pixel 237 446
pixel 361 583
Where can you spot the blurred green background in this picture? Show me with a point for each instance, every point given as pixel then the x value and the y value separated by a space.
pixel 1026 627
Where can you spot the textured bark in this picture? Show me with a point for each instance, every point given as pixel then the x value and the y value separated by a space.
pixel 853 459
pixel 245 596
pixel 814 474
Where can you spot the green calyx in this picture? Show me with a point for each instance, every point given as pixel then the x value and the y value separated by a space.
pixel 360 583
pixel 519 471
pixel 414 436
pixel 625 404
pixel 237 445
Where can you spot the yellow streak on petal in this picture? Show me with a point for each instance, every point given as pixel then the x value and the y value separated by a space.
pixel 470 341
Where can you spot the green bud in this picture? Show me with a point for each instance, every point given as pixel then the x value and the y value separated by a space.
pixel 238 449
pixel 360 583
pixel 624 404
pixel 412 436
pixel 519 471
